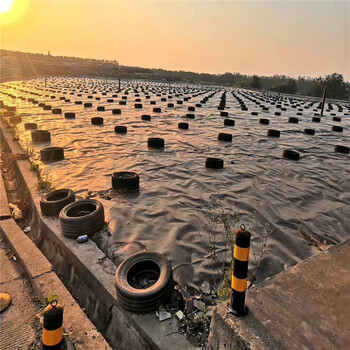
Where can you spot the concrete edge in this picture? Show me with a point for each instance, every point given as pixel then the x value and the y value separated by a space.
pixel 44 281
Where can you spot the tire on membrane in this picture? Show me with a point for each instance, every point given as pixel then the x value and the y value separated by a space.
pixel 116 111
pixel 337 128
pixel 293 120
pixel 138 105
pixel 53 202
pixel 146 117
pixel 56 111
pixel 47 108
pixel 342 149
pixel 97 120
pixel 101 108
pixel 69 115
pixel 143 282
pixel 264 121
pixel 316 119
pixel 183 126
pixel 214 163
pixel 273 133
pixel 156 142
pixel 337 119
pixel 52 154
pixel 121 129
pixel 157 110
pixel 223 114
pixel 125 180
pixel 41 136
pixel 290 154
pixel 229 122
pixel 82 217
pixel 225 137
pixel 308 131
pixel 30 126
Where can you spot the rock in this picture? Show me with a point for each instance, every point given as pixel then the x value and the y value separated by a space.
pixel 199 305
pixel 205 287
pixel 163 315
pixel 27 229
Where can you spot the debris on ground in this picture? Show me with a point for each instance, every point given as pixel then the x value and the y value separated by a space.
pixel 16 212
pixel 27 229
pixel 312 240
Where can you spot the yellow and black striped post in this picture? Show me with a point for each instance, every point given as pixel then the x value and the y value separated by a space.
pixel 53 326
pixel 240 272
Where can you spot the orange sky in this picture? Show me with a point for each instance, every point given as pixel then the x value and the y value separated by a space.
pixel 253 37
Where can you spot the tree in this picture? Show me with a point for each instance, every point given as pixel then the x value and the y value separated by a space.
pixel 256 82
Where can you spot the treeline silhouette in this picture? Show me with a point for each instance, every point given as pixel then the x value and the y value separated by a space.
pixel 15 64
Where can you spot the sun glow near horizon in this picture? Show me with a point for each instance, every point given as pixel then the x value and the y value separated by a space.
pixel 11 11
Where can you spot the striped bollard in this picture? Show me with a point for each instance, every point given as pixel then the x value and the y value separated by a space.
pixel 53 329
pixel 240 272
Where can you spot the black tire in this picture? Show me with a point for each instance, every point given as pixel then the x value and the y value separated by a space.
pixel 123 103
pixel 82 217
pixel 87 104
pixel 69 115
pixel 97 120
pixel 293 120
pixel 57 111
pixel 157 110
pixel 342 149
pixel 41 136
pixel 52 154
pixel 229 122
pixel 190 116
pixel 214 163
pixel 30 126
pixel 125 180
pixel 138 105
pixel 337 128
pixel 224 114
pixel 225 137
pixel 179 102
pixel 156 142
pixel 299 113
pixel 309 131
pixel 153 102
pixel 316 119
pixel 100 108
pixel 121 129
pixel 273 133
pixel 183 126
pixel 116 111
pixel 47 108
pixel 191 109
pixel 264 121
pixel 131 292
pixel 146 117
pixel 78 102
pixel 254 113
pixel 289 154
pixel 170 105
pixel 278 113
pixel 53 202
pixel 110 100
pixel 336 119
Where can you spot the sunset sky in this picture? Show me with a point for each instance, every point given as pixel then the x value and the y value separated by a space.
pixel 309 38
